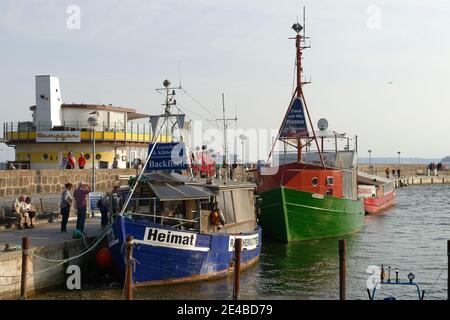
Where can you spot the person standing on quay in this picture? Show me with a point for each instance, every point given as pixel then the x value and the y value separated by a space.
pixel 387 172
pixel 80 198
pixel 115 203
pixel 81 161
pixel 103 206
pixel 66 202
pixel 70 164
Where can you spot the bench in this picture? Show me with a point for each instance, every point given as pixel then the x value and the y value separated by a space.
pixel 49 209
pixel 7 215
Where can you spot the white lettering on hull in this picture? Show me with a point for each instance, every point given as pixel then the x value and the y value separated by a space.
pixel 171 239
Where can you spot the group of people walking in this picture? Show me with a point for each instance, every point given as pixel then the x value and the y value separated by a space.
pixel 79 200
pixel 71 162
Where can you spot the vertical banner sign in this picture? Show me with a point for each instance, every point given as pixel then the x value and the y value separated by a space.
pixel 294 125
pixel 167 157
pixel 93 199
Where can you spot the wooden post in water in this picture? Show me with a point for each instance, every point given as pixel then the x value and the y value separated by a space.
pixel 23 280
pixel 342 271
pixel 129 269
pixel 237 267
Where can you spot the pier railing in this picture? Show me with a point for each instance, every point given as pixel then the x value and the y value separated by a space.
pixel 107 132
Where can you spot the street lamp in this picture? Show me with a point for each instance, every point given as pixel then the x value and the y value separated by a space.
pixel 243 137
pixel 93 122
pixel 370 162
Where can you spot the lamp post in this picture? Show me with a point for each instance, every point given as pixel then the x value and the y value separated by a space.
pixel 243 138
pixel 370 162
pixel 93 122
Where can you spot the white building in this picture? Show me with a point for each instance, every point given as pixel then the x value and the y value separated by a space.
pixel 58 128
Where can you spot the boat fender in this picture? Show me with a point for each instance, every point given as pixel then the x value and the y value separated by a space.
pixel 221 218
pixel 214 218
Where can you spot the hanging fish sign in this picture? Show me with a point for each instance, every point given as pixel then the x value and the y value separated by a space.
pixel 294 125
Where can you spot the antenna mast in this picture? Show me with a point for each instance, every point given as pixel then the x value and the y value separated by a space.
pixel 225 143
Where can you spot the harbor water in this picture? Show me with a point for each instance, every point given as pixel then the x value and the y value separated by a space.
pixel 412 236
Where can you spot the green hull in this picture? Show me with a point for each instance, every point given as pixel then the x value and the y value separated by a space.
pixel 292 215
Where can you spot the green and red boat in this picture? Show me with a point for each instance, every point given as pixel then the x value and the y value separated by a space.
pixel 312 197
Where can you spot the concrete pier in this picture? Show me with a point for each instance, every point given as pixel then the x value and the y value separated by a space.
pixel 421 180
pixel 46 242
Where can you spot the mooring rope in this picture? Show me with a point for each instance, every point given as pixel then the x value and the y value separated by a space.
pixel 442 271
pixel 99 239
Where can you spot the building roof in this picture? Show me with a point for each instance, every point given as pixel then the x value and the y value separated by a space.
pixel 132 114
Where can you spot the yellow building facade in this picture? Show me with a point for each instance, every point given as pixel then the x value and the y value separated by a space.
pixel 57 129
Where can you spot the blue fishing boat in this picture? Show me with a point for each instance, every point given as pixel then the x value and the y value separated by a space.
pixel 183 228
pixel 187 245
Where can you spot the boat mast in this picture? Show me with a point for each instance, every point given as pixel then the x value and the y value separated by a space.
pixel 300 44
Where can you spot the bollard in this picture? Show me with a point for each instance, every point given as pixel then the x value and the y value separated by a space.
pixel 237 267
pixel 342 271
pixel 23 280
pixel 129 269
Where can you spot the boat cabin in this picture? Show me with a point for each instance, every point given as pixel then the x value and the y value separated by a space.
pixel 171 200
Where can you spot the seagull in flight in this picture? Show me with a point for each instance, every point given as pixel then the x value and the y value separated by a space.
pixel 391 82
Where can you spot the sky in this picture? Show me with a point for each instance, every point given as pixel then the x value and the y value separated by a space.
pixel 379 69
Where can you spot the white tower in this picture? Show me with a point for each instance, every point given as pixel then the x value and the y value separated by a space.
pixel 48 102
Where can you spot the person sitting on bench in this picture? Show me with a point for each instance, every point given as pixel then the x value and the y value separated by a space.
pixel 23 220
pixel 28 211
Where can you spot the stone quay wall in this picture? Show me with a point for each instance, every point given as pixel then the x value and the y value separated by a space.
pixel 16 182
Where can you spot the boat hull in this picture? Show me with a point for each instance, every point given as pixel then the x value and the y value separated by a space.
pixel 201 257
pixel 292 215
pixel 379 204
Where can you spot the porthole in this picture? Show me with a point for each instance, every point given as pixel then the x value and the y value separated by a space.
pixel 45 156
pixel 98 156
pixel 87 156
pixel 315 182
